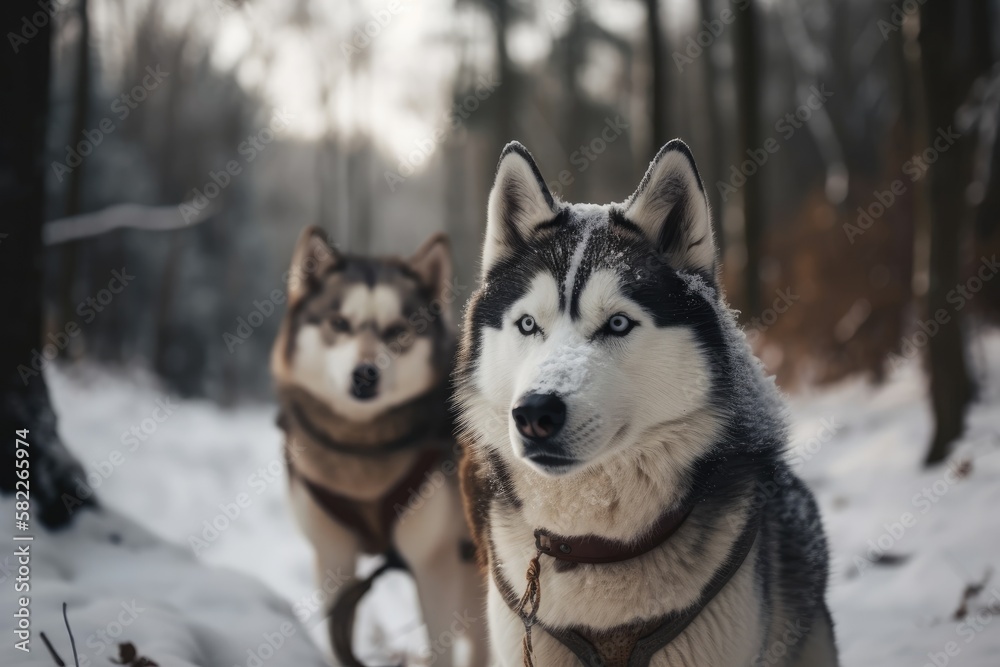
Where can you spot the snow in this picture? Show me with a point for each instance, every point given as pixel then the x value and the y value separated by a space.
pixel 565 370
pixel 860 449
pixel 858 446
pixel 593 218
pixel 121 583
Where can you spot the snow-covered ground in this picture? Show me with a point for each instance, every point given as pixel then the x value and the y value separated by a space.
pixel 906 542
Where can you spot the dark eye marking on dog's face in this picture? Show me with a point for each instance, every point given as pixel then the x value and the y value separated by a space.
pixel 613 244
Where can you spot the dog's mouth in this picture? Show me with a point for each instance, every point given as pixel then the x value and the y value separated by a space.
pixel 548 462
pixel 364 392
pixel 563 454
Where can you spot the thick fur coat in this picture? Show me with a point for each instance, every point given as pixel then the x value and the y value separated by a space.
pixel 614 315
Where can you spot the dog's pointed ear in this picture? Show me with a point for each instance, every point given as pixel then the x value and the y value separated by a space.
pixel 671 207
pixel 432 263
pixel 519 202
pixel 313 258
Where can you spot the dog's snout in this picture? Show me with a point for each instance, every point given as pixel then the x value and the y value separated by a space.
pixel 539 416
pixel 364 383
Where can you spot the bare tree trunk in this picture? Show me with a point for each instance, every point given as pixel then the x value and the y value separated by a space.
pixel 716 133
pixel 659 121
pixel 506 99
pixel 748 85
pixel 25 409
pixel 74 190
pixel 950 61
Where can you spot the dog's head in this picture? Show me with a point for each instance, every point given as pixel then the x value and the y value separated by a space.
pixel 365 334
pixel 595 325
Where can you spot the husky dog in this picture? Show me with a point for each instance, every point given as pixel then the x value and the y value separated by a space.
pixel 624 473
pixel 362 364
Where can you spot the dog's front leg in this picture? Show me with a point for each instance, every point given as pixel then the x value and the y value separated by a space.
pixel 451 588
pixel 336 556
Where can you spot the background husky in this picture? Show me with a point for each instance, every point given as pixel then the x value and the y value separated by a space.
pixel 362 366
pixel 603 381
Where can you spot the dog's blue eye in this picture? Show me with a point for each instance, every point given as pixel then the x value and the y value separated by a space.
pixel 527 325
pixel 619 325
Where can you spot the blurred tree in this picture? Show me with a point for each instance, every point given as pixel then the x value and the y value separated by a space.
pixel 24 396
pixel 716 132
pixel 954 52
pixel 748 87
pixel 659 121
pixel 74 188
pixel 507 99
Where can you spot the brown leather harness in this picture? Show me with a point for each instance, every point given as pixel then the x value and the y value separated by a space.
pixel 630 644
pixel 373 538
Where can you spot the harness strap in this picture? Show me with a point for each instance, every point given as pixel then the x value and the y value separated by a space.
pixel 343 610
pixel 319 435
pixel 634 644
pixel 345 511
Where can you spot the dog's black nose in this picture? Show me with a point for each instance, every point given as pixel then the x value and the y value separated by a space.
pixel 539 416
pixel 364 383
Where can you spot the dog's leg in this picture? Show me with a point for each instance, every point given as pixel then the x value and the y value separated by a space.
pixel 336 552
pixel 452 591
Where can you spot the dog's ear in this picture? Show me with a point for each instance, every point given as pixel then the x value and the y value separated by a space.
pixel 313 258
pixel 432 263
pixel 519 202
pixel 671 207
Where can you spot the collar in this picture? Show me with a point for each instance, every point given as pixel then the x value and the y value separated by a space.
pixel 641 641
pixel 596 549
pixel 318 435
pixel 424 415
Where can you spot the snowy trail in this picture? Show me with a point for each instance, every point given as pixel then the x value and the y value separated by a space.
pixel 859 447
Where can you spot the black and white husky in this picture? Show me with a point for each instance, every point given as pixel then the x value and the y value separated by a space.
pixel 624 476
